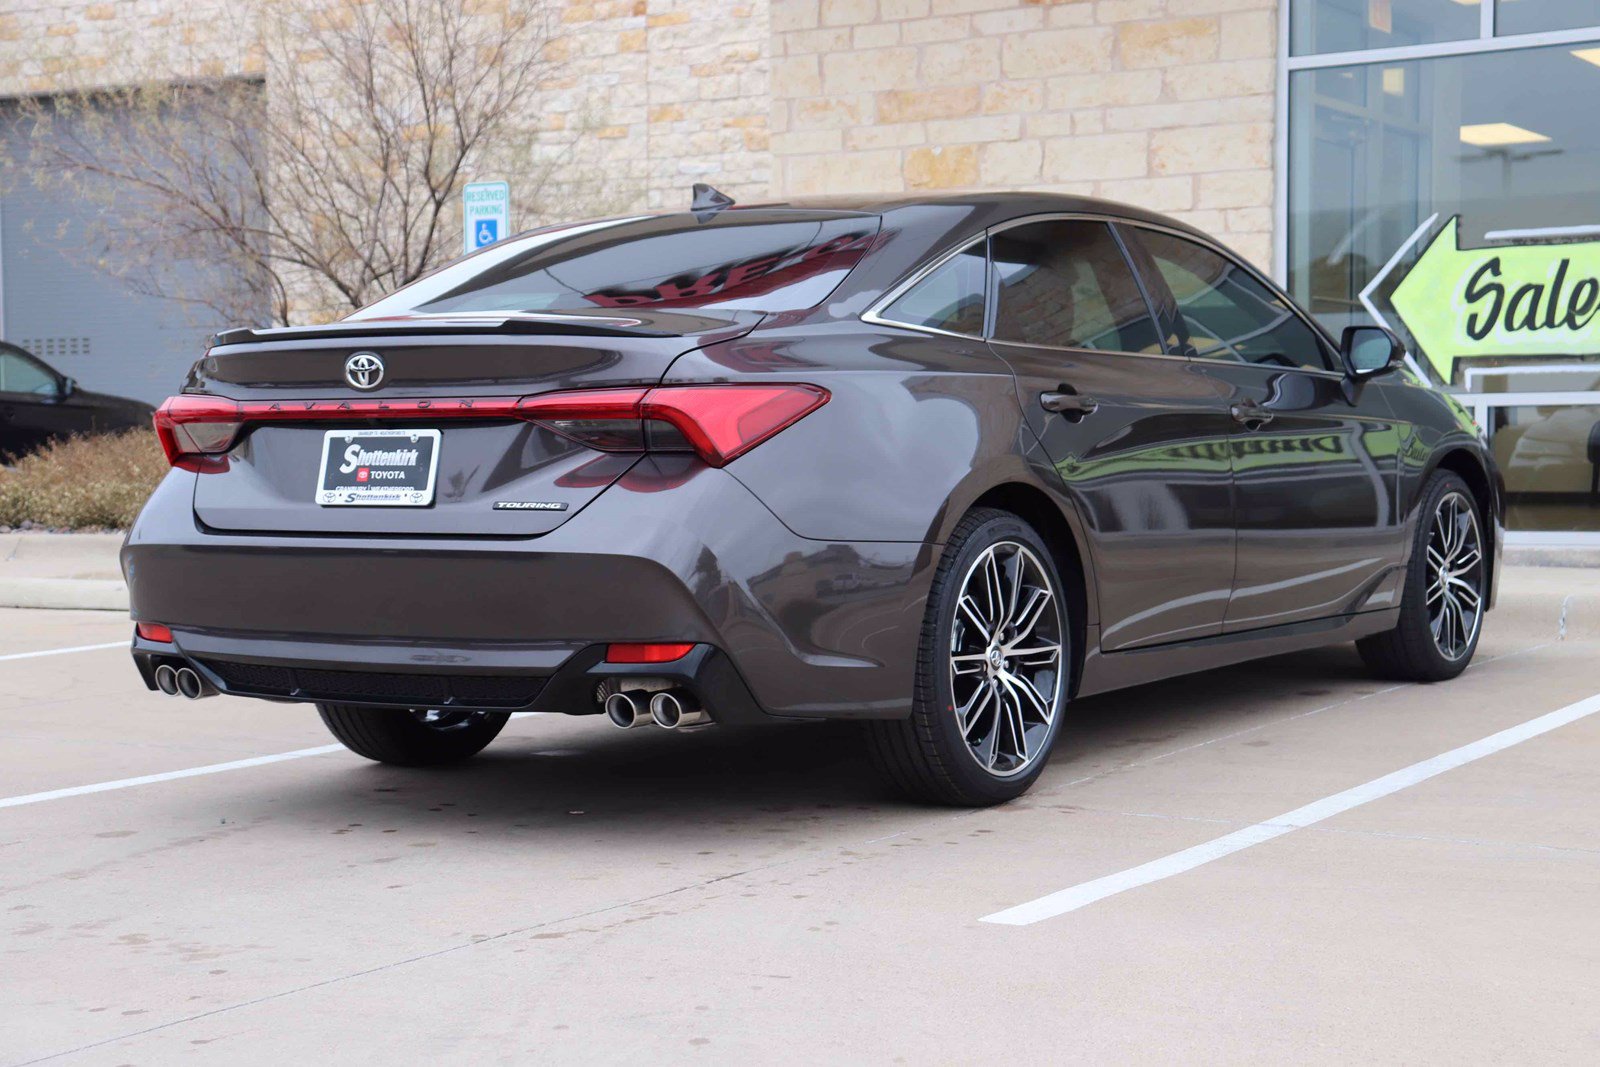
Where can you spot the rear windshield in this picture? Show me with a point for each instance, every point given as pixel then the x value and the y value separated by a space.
pixel 746 260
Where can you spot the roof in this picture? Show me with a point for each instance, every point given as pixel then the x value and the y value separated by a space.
pixel 994 207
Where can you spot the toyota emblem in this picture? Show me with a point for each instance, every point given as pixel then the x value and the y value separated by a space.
pixel 364 370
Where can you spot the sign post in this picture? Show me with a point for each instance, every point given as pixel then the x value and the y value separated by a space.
pixel 485 214
pixel 1502 300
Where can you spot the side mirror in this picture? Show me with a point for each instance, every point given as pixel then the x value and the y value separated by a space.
pixel 67 387
pixel 1369 351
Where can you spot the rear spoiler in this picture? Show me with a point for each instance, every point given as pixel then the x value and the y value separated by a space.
pixel 646 324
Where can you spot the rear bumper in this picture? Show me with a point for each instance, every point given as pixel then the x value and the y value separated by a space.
pixel 784 626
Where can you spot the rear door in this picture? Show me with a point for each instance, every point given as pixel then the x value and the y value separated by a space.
pixel 1314 459
pixel 1139 438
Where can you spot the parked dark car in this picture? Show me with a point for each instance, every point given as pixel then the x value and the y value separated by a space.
pixel 941 465
pixel 39 404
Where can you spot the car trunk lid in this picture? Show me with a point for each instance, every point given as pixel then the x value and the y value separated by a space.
pixel 446 390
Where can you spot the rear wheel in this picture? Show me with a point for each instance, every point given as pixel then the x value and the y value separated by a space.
pixel 412 737
pixel 1441 610
pixel 991 678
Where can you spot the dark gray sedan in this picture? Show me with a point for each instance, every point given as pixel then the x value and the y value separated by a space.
pixel 939 465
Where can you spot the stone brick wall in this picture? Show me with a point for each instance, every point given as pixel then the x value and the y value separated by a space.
pixel 1164 103
pixel 1168 104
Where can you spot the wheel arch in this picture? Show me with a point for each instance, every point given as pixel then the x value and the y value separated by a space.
pixel 1044 514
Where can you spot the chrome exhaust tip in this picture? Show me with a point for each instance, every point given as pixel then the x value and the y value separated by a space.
pixel 675 709
pixel 167 679
pixel 628 709
pixel 191 685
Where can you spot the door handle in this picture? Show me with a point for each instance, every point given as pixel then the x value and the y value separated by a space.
pixel 1070 404
pixel 1250 414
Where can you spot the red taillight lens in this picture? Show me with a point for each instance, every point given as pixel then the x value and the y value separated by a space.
pixel 651 653
pixel 190 427
pixel 153 631
pixel 719 422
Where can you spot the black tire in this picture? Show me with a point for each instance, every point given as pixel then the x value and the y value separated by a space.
pixel 405 736
pixel 1409 652
pixel 927 756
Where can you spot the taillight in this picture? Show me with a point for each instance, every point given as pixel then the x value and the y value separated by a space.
pixel 717 422
pixel 192 427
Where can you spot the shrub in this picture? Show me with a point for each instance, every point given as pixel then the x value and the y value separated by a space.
pixel 83 482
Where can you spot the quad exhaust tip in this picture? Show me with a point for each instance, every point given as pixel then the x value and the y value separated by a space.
pixel 189 683
pixel 167 679
pixel 182 681
pixel 628 709
pixel 675 709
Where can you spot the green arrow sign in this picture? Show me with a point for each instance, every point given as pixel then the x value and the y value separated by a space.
pixel 1509 300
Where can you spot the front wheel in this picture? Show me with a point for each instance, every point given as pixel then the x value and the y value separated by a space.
pixel 1446 586
pixel 991 676
pixel 412 737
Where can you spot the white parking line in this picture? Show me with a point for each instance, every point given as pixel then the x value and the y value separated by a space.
pixel 188 772
pixel 1086 893
pixel 63 651
pixel 167 776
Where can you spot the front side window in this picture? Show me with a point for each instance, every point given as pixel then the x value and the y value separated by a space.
pixel 950 298
pixel 1066 284
pixel 1228 313
pixel 20 374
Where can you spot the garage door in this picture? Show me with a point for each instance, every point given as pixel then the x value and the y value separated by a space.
pixel 58 304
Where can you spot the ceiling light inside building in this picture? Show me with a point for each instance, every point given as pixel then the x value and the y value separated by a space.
pixel 1394 81
pixel 1588 55
pixel 1498 134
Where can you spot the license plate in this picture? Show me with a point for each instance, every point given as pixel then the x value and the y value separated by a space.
pixel 378 468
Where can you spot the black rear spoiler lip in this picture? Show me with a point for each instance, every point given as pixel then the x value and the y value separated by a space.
pixel 568 325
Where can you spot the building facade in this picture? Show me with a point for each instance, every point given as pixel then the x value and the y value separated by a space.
pixel 1424 163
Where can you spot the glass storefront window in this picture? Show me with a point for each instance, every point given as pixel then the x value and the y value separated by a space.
pixel 1317 26
pixel 1537 16
pixel 1497 145
pixel 1551 461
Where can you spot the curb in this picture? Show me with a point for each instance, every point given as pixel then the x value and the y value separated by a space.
pixel 83 594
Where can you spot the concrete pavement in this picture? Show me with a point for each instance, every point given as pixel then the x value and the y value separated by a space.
pixel 581 894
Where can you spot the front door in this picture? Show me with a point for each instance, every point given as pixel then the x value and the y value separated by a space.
pixel 1315 459
pixel 1139 438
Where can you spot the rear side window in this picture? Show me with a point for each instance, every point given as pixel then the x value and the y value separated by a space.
pixel 950 298
pixel 745 260
pixel 1067 284
pixel 1228 313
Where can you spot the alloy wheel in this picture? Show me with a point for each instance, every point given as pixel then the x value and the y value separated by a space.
pixel 1005 659
pixel 1455 576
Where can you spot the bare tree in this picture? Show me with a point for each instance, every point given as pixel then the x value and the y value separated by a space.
pixel 326 182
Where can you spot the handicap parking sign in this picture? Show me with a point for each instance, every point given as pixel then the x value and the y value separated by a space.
pixel 485 214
